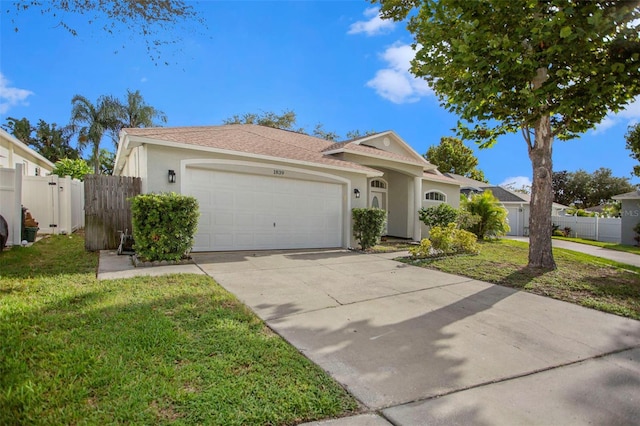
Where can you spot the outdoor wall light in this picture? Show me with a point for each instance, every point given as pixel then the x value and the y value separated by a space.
pixel 356 191
pixel 172 176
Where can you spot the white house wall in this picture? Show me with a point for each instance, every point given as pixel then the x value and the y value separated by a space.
pixel 452 193
pixel 164 159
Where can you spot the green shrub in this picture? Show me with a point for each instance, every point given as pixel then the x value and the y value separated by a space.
pixel 493 216
pixel 451 240
pixel 440 215
pixel 164 225
pixel 423 250
pixel 76 168
pixel 368 226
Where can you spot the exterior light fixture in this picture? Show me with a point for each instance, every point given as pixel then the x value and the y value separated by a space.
pixel 172 176
pixel 356 191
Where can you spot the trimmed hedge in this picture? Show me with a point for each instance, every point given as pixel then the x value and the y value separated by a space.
pixel 368 226
pixel 164 225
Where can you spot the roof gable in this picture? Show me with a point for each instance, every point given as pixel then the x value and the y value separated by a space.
pixel 387 145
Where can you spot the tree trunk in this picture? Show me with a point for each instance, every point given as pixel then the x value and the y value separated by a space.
pixel 540 254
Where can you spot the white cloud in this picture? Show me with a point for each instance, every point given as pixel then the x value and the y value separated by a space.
pixel 394 82
pixel 516 182
pixel 629 116
pixel 11 96
pixel 143 80
pixel 374 26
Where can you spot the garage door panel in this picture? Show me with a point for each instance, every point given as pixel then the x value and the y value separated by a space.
pixel 238 211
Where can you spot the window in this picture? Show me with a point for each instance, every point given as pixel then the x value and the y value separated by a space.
pixel 435 196
pixel 378 184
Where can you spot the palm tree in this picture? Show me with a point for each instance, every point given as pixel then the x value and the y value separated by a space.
pixel 134 112
pixel 138 114
pixel 93 121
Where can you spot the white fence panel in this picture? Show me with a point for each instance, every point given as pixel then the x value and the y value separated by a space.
pixel 77 205
pixel 8 208
pixel 591 228
pixel 56 203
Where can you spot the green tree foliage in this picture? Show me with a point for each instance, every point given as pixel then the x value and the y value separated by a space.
pixel 453 156
pixel 357 134
pixel 92 121
pixel 77 168
pixel 440 215
pixel 546 68
pixel 368 226
pixel 319 132
pixel 288 121
pixel 492 216
pixel 164 225
pixel 585 190
pixel 52 142
pixel 153 21
pixel 633 144
pixel 134 112
pixel 106 159
pixel 285 121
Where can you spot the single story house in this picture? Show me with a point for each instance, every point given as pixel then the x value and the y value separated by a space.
pixel 517 204
pixel 630 215
pixel 13 151
pixel 265 188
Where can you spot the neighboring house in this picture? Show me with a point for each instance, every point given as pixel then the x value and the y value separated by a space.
pixel 265 188
pixel 516 203
pixel 630 214
pixel 13 151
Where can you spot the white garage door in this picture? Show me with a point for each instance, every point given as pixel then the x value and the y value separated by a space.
pixel 514 220
pixel 241 211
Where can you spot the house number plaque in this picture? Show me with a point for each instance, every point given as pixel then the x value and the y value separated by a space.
pixel 278 172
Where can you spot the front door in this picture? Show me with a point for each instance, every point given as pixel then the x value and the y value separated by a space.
pixel 379 201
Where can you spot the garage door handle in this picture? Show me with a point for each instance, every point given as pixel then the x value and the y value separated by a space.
pixel 274 224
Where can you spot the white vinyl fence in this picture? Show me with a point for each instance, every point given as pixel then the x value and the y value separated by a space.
pixel 606 229
pixel 56 203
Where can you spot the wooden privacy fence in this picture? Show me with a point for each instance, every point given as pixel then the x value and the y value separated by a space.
pixel 107 209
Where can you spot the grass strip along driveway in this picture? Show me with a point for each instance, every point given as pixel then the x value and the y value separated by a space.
pixel 153 350
pixel 580 278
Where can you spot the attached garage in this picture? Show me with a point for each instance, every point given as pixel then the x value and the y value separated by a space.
pixel 258 211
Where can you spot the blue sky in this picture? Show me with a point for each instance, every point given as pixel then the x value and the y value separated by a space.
pixel 334 63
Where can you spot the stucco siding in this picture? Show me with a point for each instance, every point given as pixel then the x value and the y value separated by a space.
pixel 630 217
pixel 399 195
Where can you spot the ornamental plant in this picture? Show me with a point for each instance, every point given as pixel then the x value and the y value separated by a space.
pixel 492 216
pixel 440 215
pixel 451 240
pixel 368 226
pixel 164 225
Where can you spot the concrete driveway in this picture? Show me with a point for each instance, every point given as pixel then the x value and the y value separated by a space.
pixel 417 346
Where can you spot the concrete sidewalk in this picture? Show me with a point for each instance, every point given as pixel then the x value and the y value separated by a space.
pixel 615 255
pixel 418 346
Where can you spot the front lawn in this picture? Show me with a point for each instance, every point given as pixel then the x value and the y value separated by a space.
pixel 582 279
pixel 611 246
pixel 174 349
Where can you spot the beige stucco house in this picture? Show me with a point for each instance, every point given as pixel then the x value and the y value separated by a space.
pixel 13 151
pixel 265 188
pixel 630 214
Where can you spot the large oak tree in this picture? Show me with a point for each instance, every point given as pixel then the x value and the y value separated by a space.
pixel 546 68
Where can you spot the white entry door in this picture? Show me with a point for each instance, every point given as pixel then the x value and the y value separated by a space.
pixel 240 211
pixel 379 201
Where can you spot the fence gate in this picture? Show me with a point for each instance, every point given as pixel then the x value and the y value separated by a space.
pixel 107 210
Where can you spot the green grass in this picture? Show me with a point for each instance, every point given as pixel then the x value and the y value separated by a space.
pixel 154 350
pixel 580 278
pixel 611 246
